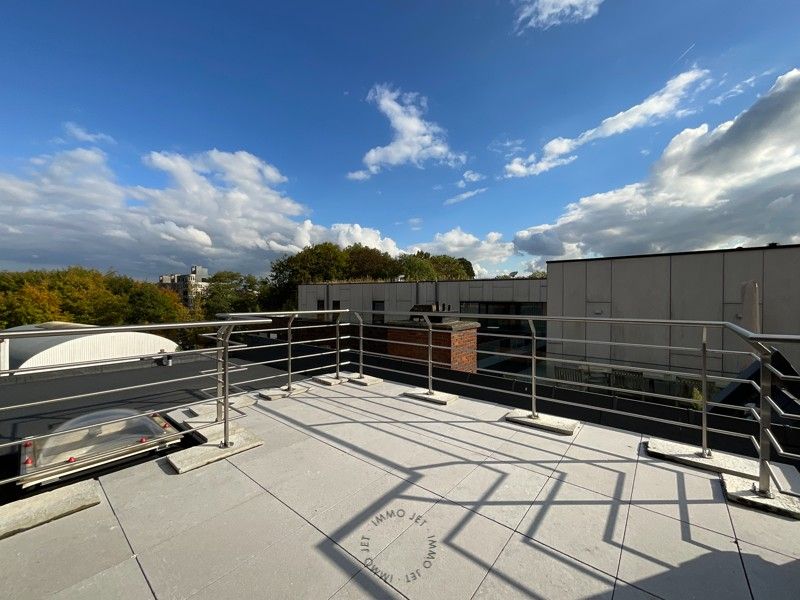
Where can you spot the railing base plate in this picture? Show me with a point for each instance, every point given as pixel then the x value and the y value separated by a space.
pixel 741 490
pixel 718 462
pixel 435 398
pixel 545 422
pixel 327 379
pixel 365 380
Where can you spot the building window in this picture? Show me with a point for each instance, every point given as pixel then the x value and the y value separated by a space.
pixel 336 305
pixel 378 305
pixel 320 306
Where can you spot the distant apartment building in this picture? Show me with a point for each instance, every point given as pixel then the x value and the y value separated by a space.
pixel 756 288
pixel 189 286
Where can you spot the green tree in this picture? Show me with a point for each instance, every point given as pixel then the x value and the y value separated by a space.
pixel 447 267
pixel 30 303
pixel 468 268
pixel 416 267
pixel 229 291
pixel 363 262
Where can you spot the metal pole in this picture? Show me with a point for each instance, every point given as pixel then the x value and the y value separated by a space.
pixel 360 346
pixel 220 368
pixel 764 427
pixel 226 335
pixel 430 355
pixel 705 452
pixel 338 318
pixel 534 413
pixel 289 353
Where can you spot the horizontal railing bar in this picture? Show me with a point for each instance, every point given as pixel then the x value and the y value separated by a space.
pixel 783 376
pixel 643 369
pixel 309 370
pixel 101 392
pixel 781 452
pixel 5 334
pixel 636 345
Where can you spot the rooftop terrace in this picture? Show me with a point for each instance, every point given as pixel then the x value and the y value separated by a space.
pixel 358 492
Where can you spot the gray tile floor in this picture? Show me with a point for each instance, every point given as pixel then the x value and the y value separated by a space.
pixel 359 493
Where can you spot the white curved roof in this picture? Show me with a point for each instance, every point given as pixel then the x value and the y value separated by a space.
pixel 48 351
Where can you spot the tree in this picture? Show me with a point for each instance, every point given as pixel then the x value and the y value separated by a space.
pixel 447 267
pixel 417 268
pixel 468 268
pixel 229 291
pixel 363 262
pixel 31 303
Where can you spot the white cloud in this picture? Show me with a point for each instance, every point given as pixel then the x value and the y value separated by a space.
pixel 220 209
pixel 735 184
pixel 664 103
pixel 543 14
pixel 740 88
pixel 469 177
pixel 456 242
pixel 416 141
pixel 415 223
pixel 507 147
pixel 80 134
pixel 464 196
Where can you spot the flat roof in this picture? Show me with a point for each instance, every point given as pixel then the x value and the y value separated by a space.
pixel 619 257
pixel 362 493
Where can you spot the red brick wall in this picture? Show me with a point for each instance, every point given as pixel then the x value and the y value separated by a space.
pixel 457 352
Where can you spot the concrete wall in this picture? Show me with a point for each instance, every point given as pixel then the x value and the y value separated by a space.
pixel 696 286
pixel 402 296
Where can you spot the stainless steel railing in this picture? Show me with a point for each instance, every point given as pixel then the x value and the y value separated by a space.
pixel 544 367
pixel 759 350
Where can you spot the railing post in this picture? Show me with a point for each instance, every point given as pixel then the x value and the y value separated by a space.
pixel 764 447
pixel 289 354
pixel 360 345
pixel 225 335
pixel 430 354
pixel 705 451
pixel 220 375
pixel 338 319
pixel 534 413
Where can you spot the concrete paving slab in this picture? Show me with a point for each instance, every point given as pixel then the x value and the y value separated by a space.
pixel 198 556
pixel 696 500
pixel 380 511
pixel 743 491
pixel 311 476
pixel 578 522
pixel 475 436
pixel 446 554
pixel 435 398
pixel 19 516
pixel 365 381
pixel 669 465
pixel 674 559
pixel 124 581
pixel 154 503
pixel 500 492
pixel 195 457
pixel 440 469
pixel 602 460
pixel 305 564
pixel 543 421
pixel 366 585
pixel 772 576
pixel 536 452
pixel 59 554
pixel 528 569
pixel 625 591
pixel 767 530
pixel 718 462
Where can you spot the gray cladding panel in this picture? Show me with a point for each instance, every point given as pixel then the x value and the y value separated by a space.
pixel 598 281
pixel 741 267
pixel 696 287
pixel 641 287
pixel 781 292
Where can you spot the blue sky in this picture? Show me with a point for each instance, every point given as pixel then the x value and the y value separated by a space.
pixel 148 136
